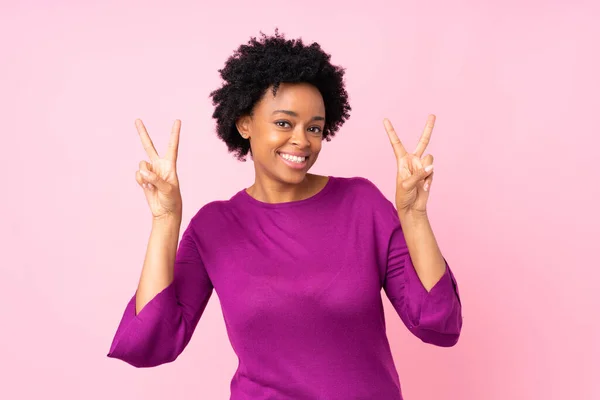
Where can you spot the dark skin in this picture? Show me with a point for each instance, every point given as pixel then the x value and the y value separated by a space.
pixel 289 124
pixel 292 121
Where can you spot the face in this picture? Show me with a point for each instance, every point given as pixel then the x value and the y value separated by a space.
pixel 285 132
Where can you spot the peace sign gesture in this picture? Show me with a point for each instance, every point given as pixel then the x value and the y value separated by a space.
pixel 158 177
pixel 415 171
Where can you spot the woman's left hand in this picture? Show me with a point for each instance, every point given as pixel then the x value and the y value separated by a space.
pixel 415 171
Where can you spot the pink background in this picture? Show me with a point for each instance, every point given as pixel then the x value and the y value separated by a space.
pixel 514 86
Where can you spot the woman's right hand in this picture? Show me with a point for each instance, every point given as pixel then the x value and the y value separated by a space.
pixel 158 177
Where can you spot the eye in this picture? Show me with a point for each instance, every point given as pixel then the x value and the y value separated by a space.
pixel 316 129
pixel 281 124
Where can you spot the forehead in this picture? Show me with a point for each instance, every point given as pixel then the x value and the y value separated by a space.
pixel 302 98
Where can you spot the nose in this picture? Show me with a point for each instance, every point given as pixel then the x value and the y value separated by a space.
pixel 299 138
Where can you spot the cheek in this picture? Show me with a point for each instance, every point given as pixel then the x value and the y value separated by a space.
pixel 316 143
pixel 266 142
pixel 315 150
pixel 273 140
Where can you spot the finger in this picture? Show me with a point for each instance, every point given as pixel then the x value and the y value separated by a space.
pixel 146 141
pixel 151 178
pixel 174 141
pixel 426 136
pixel 427 184
pixel 416 164
pixel 140 180
pixel 412 181
pixel 404 169
pixel 399 150
pixel 427 160
pixel 146 165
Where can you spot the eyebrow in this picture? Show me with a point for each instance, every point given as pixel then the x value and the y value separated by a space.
pixel 294 114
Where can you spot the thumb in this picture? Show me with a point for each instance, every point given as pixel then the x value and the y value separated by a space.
pixel 414 179
pixel 151 177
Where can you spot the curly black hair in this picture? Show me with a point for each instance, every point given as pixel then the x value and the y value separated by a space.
pixel 269 61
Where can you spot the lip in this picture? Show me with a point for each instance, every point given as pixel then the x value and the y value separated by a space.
pixel 294 153
pixel 291 164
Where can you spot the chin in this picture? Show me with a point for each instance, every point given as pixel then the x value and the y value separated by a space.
pixel 292 178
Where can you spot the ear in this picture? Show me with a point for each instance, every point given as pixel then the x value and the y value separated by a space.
pixel 243 126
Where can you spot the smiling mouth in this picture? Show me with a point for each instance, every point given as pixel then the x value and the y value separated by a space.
pixel 294 159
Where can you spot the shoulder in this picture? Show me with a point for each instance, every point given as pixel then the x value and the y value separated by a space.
pixel 362 187
pixel 211 216
pixel 210 225
pixel 212 212
pixel 356 183
pixel 365 195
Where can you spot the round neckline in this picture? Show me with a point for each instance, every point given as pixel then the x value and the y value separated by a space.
pixel 243 194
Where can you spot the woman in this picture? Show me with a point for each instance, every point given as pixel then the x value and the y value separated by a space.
pixel 298 260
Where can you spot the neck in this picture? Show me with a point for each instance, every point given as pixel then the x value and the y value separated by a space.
pixel 269 190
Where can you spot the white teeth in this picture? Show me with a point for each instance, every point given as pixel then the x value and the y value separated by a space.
pixel 295 159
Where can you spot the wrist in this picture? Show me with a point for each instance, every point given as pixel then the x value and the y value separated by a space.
pixel 412 215
pixel 167 220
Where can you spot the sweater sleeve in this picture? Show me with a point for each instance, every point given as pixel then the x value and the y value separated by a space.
pixel 159 333
pixel 435 317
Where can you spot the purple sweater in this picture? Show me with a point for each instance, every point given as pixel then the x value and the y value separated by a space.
pixel 300 289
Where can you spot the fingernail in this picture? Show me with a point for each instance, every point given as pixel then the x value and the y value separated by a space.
pixel 144 172
pixel 426 186
pixel 428 168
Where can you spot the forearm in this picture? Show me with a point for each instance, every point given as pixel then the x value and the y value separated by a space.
pixel 423 248
pixel 157 272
